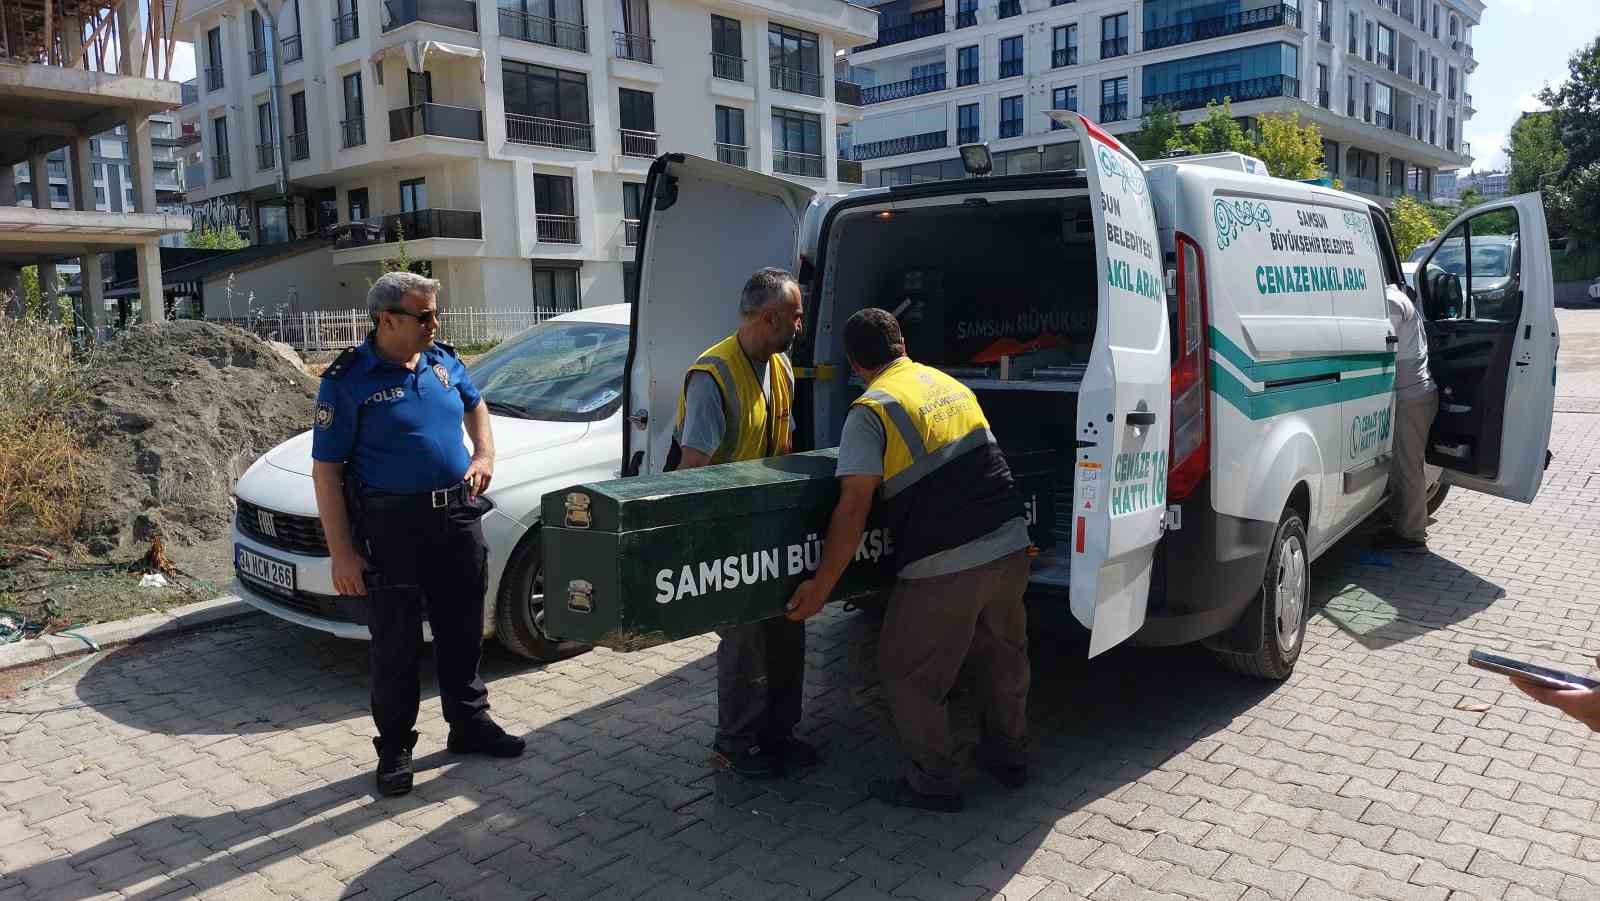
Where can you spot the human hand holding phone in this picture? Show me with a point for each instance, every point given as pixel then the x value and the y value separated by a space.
pixel 1575 696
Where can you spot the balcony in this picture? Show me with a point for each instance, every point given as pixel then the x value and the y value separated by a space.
pixel 214 78
pixel 1064 56
pixel 435 119
pixel 1356 183
pixel 847 92
pixel 1386 61
pixel 630 232
pixel 727 67
pixel 354 132
pixel 258 60
pixel 415 225
pixel 1384 120
pixel 194 175
pixel 299 146
pixel 637 47
pixel 220 167
pixel 190 92
pixel 1350 107
pixel 1237 91
pixel 1323 100
pixel 557 228
pixel 796 81
pixel 932 140
pixel 806 165
pixel 896 90
pixel 1116 112
pixel 917 28
pixel 346 28
pixel 557 133
pixel 1010 128
pixel 733 155
pixel 848 171
pixel 1006 9
pixel 549 32
pixel 462 14
pixel 967 134
pixel 1111 47
pixel 1325 33
pixel 1218 26
pixel 966 76
pixel 1010 68
pixel 292 50
pixel 265 158
pixel 638 143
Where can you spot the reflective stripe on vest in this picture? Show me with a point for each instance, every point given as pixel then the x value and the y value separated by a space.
pixel 948 421
pixel 746 416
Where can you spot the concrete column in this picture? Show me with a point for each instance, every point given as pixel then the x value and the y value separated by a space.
pixel 1383 174
pixel 130 35
pixel 72 40
pixel 142 163
pixel 39 178
pixel 152 307
pixel 82 174
pixel 47 290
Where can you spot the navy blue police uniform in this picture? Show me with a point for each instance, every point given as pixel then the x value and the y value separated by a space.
pixel 398 432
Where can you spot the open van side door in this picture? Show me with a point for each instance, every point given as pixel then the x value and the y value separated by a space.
pixel 1487 293
pixel 705 227
pixel 1120 479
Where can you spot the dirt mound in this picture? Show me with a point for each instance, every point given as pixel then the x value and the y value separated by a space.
pixel 177 412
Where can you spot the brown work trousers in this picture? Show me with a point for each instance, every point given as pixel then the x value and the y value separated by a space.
pixel 1408 482
pixel 930 628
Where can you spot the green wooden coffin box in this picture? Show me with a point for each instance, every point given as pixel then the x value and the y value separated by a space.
pixel 636 562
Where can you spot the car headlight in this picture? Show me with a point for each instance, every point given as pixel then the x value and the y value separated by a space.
pixel 1496 294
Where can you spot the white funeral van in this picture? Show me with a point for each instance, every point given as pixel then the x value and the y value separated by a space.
pixel 1188 364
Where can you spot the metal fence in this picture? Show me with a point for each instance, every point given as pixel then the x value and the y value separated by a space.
pixel 338 329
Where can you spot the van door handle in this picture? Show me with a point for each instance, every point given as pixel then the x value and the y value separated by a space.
pixel 1141 417
pixel 1391 340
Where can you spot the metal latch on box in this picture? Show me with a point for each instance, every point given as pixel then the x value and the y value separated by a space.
pixel 1172 520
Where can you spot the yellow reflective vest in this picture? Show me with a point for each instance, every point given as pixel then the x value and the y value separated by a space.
pixel 751 430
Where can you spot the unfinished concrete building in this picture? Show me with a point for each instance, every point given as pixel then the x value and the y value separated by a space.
pixel 69 70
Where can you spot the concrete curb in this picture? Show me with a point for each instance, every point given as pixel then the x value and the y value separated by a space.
pixel 178 619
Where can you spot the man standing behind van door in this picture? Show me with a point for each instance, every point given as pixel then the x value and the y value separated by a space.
pixel 1416 403
pixel 737 405
pixel 960 543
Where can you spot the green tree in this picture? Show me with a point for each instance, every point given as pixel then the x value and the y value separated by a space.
pixel 1216 133
pixel 225 238
pixel 1289 149
pixel 1156 132
pixel 33 296
pixel 1534 150
pixel 1576 107
pixel 1412 223
pixel 1471 197
pixel 1573 204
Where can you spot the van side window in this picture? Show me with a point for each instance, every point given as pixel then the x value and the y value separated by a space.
pixel 1386 252
pixel 1475 273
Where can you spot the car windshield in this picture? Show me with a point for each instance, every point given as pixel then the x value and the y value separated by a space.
pixel 562 371
pixel 1488 260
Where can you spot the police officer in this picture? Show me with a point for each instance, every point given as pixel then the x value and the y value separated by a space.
pixel 960 543
pixel 388 431
pixel 736 405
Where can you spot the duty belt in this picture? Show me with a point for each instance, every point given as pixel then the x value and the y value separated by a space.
pixel 436 500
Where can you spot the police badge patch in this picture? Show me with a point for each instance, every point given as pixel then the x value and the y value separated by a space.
pixel 442 373
pixel 324 417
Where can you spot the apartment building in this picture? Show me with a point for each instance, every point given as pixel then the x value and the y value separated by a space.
pixel 1385 79
pixel 112 166
pixel 1492 184
pixel 509 144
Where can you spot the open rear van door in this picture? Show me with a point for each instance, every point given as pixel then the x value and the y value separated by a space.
pixel 1120 480
pixel 1487 292
pixel 705 228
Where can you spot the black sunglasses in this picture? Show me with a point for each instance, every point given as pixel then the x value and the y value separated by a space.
pixel 423 316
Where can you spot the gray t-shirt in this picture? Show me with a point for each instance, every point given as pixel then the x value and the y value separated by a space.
pixel 861 449
pixel 703 421
pixel 1411 377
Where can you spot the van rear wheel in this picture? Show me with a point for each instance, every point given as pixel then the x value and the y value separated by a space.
pixel 1437 495
pixel 519 611
pixel 1280 608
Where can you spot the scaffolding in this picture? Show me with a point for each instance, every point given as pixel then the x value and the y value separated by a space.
pixel 124 37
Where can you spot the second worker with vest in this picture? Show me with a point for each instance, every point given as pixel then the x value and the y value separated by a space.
pixel 737 405
pixel 918 438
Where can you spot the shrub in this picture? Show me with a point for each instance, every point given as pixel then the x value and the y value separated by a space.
pixel 41 491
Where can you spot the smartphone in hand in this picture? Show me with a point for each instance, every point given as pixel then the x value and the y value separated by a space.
pixel 1538 675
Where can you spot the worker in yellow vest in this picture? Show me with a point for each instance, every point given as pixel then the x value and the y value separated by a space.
pixel 737 404
pixel 919 437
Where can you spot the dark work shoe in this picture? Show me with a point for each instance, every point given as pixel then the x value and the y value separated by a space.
pixel 394 765
pixel 484 736
pixel 1389 540
pixel 755 762
pixel 899 793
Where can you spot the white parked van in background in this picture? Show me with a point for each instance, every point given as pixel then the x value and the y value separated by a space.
pixel 1189 365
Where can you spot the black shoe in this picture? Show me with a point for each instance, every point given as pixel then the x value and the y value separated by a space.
pixel 484 736
pixel 899 793
pixel 795 753
pixel 394 765
pixel 755 762
pixel 1394 541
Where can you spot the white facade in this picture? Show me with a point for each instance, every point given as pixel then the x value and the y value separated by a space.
pixel 1362 70
pixel 478 182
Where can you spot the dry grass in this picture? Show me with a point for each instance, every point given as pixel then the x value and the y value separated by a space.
pixel 41 489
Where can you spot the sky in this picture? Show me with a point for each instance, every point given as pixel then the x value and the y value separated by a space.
pixel 1521 46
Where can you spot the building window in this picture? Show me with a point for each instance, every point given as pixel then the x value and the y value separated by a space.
pixel 966 13
pixel 1351 32
pixel 968 129
pixel 796 60
pixel 1011 57
pixel 221 165
pixel 358 205
pixel 413 195
pixel 637 110
pixel 1011 116
pixel 264 131
pixel 555 289
pixel 1450 132
pixel 797 143
pixel 555 209
pixel 1451 84
pixel 300 140
pixel 1384 105
pixel 258 44
pixel 1350 96
pixel 1113 99
pixel 632 200
pixel 731 146
pixel 1322 86
pixel 346 22
pixel 545 106
pixel 1249 73
pixel 1064 46
pixel 966 66
pixel 1324 21
pixel 1063 98
pixel 727 48
pixel 1114 36
pixel 1386 47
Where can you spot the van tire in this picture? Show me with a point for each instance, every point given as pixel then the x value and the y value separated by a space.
pixel 1437 496
pixel 521 604
pixel 1281 621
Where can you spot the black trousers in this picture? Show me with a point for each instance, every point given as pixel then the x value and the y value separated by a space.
pixel 434 563
pixel 761 669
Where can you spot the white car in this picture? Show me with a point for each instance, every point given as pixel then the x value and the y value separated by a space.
pixel 555 398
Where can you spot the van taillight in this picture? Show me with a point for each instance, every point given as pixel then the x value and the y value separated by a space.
pixel 1190 451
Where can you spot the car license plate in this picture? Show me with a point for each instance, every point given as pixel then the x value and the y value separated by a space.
pixel 274 573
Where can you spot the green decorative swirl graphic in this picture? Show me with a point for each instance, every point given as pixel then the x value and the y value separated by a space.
pixel 1114 166
pixel 1234 216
